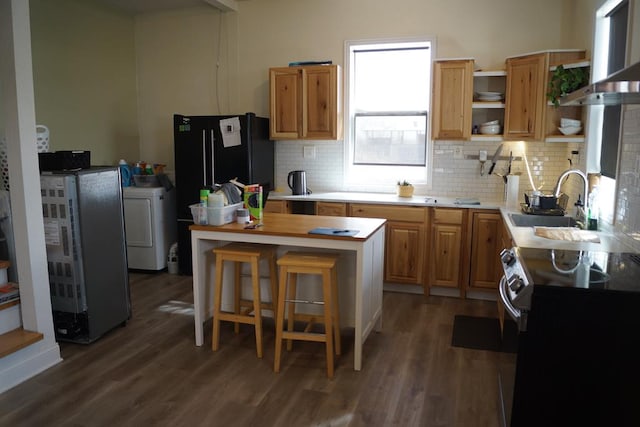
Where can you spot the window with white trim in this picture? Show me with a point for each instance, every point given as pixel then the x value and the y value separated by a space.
pixel 609 52
pixel 387 105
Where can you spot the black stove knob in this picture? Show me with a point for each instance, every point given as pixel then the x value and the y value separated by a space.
pixel 507 258
pixel 515 283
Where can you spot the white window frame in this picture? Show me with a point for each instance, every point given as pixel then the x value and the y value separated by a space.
pixel 599 66
pixel 420 177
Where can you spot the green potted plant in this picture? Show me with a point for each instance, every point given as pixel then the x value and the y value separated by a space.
pixel 405 189
pixel 564 81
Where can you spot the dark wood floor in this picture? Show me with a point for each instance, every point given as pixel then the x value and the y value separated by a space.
pixel 151 373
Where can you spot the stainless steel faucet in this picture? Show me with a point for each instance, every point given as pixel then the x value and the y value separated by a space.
pixel 563 175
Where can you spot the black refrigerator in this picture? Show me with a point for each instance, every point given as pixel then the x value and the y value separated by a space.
pixel 212 150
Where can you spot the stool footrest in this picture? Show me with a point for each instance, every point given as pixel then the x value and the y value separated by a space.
pixel 263 305
pixel 304 301
pixel 232 317
pixel 304 336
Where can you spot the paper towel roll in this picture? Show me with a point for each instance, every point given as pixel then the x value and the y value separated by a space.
pixel 511 192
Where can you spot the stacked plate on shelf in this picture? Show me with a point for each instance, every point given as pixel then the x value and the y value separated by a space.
pixel 489 96
pixel 570 126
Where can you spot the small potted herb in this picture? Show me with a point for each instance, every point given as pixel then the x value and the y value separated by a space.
pixel 564 81
pixel 405 189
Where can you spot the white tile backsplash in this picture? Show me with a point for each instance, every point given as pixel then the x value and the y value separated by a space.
pixel 451 177
pixel 324 171
pixel 628 202
pixel 461 177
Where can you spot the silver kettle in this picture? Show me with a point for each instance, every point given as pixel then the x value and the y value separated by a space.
pixel 297 182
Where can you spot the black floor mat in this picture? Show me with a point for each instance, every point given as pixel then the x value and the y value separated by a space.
pixel 483 333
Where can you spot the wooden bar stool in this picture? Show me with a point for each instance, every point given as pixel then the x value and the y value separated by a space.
pixel 243 253
pixel 291 264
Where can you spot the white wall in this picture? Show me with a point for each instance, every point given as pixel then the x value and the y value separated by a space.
pixel 85 78
pixel 177 50
pixel 177 53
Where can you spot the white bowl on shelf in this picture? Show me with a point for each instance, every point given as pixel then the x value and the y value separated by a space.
pixel 565 122
pixel 569 130
pixel 492 122
pixel 490 129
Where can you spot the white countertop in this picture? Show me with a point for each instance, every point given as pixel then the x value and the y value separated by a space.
pixel 522 236
pixel 386 198
pixel 525 237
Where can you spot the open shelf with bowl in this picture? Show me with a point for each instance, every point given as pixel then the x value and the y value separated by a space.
pixel 488 104
pixel 566 123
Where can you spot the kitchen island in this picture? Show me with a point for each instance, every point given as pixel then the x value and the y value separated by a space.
pixel 360 268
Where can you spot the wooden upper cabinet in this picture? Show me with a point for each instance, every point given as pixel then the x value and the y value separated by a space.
pixel 452 99
pixel 304 102
pixel 524 114
pixel 285 94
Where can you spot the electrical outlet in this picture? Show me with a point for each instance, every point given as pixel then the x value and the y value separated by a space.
pixel 309 152
pixel 457 152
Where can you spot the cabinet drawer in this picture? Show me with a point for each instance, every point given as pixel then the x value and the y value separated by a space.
pixel 448 216
pixel 277 206
pixel 394 213
pixel 331 209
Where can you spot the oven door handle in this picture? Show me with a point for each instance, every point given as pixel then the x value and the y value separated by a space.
pixel 504 296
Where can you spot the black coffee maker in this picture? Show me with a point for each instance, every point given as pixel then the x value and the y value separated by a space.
pixel 297 181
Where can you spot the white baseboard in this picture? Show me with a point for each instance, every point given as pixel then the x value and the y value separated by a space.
pixel 26 363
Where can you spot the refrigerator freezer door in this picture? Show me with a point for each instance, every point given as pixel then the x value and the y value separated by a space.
pixel 252 161
pixel 193 154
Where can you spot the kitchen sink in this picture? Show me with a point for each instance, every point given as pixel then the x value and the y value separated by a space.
pixel 524 220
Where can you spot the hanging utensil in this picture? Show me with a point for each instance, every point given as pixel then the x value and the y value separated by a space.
pixel 494 159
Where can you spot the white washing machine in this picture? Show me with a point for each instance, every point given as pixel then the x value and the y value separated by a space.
pixel 150 225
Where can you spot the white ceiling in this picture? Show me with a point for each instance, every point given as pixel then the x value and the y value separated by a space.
pixel 140 6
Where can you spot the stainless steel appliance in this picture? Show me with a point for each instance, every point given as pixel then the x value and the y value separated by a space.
pixel 86 252
pixel 215 149
pixel 621 87
pixel 578 338
pixel 150 224
pixel 297 182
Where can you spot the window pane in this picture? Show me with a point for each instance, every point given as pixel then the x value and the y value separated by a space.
pixel 390 140
pixel 392 80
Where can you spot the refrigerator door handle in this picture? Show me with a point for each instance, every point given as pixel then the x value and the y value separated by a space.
pixel 213 167
pixel 204 159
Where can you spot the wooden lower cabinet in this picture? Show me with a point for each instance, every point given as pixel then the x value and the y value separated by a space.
pixel 277 206
pixel 331 209
pixel 447 257
pixel 446 253
pixel 404 258
pixel 405 235
pixel 486 244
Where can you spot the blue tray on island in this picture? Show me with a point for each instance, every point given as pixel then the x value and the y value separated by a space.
pixel 334 231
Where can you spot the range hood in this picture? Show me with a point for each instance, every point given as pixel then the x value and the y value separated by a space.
pixel 621 87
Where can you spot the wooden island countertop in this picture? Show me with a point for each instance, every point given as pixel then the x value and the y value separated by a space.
pixel 295 225
pixel 360 268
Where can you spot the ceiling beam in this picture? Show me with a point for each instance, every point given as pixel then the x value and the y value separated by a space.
pixel 224 5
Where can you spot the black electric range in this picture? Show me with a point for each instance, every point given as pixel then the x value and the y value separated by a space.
pixel 579 342
pixel 609 271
